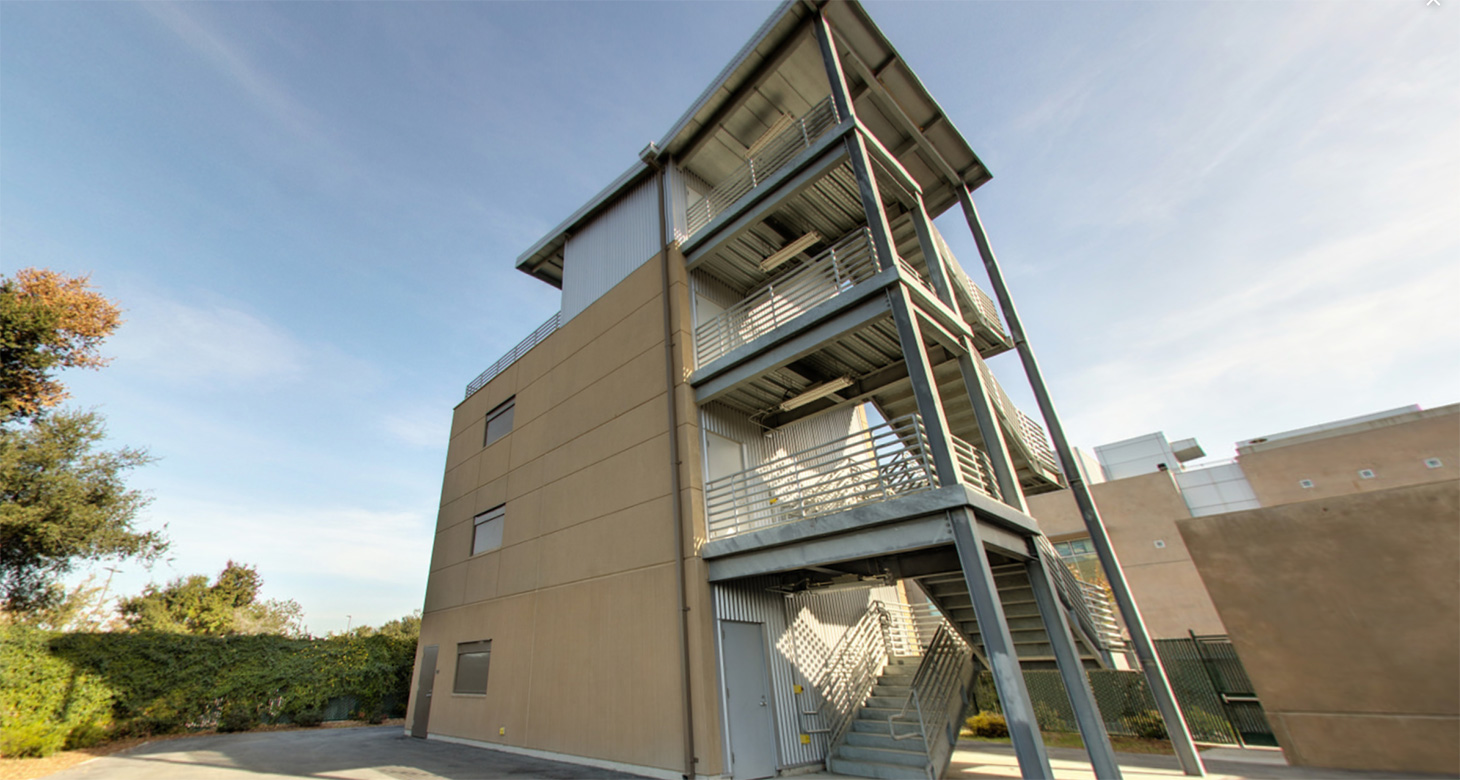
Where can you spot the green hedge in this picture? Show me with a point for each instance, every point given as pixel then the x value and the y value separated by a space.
pixel 65 690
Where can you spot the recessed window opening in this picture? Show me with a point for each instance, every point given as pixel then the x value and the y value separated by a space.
pixel 1366 473
pixel 1433 463
pixel 487 535
pixel 473 659
pixel 499 421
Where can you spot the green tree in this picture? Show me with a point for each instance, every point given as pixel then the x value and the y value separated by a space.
pixel 229 605
pixel 48 321
pixel 63 502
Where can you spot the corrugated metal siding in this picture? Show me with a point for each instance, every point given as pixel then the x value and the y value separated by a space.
pixel 610 247
pixel 819 620
pixel 804 434
pixel 680 183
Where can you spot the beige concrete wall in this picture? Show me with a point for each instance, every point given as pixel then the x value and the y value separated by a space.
pixel 1138 512
pixel 580 602
pixel 1396 452
pixel 1346 612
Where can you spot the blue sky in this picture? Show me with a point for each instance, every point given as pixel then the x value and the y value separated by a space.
pixel 1219 219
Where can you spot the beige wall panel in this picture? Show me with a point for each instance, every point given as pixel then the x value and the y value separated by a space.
pixel 1396 453
pixel 603 676
pixel 641 330
pixel 489 496
pixel 637 289
pixel 452 546
pixel 509 624
pixel 633 538
pixel 466 444
pixel 445 588
pixel 631 477
pixel 1173 600
pixel 524 480
pixel 538 361
pixel 1343 606
pixel 456 512
pixel 639 381
pixel 460 480
pixel 623 432
pixel 697 533
pixel 1057 513
pixel 485 399
pixel 533 401
pixel 496 460
pixel 523 520
pixel 481 576
pixel 1378 742
pixel 532 439
pixel 704 668
pixel 520 568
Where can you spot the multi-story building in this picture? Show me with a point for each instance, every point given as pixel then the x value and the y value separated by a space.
pixel 752 500
pixel 1144 487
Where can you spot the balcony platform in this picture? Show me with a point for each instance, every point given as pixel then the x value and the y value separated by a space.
pixel 901 525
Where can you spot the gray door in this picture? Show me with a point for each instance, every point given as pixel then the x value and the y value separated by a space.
pixel 425 682
pixel 748 701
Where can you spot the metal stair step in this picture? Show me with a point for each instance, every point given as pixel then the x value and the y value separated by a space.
pixel 877 769
pixel 885 741
pixel 911 758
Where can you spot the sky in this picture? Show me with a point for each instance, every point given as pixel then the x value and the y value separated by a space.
pixel 1218 219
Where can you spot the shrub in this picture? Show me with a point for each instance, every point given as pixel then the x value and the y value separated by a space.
pixel 1146 724
pixel 31 739
pixel 236 717
pixel 44 699
pixel 988 724
pixel 308 717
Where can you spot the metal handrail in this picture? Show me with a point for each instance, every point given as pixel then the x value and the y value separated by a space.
pixel 1028 435
pixel 851 670
pixel 978 307
pixel 543 331
pixel 769 158
pixel 875 464
pixel 1070 590
pixel 848 262
pixel 976 468
pixel 938 678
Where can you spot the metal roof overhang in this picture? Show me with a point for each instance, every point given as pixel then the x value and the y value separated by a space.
pixel 891 102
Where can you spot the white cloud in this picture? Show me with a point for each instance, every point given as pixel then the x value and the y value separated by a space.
pixel 209 343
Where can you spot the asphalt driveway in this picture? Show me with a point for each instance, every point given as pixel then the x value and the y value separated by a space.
pixel 372 753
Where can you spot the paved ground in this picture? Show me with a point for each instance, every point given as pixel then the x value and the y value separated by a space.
pixel 375 753
pixel 384 753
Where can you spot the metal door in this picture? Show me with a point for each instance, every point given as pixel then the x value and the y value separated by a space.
pixel 748 701
pixel 425 682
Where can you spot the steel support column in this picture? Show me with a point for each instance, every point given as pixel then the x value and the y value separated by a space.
pixel 1141 641
pixel 924 385
pixel 1072 672
pixel 998 645
pixel 856 148
pixel 995 446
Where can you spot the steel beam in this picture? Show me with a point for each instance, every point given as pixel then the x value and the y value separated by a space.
pixel 998 644
pixel 1141 641
pixel 937 267
pixel 825 154
pixel 924 385
pixel 1072 671
pixel 747 89
pixel 805 342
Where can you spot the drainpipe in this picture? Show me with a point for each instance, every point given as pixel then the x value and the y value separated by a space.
pixel 650 155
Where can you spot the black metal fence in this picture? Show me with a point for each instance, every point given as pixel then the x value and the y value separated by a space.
pixel 1211 687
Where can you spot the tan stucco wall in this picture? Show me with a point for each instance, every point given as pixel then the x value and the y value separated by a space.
pixel 580 601
pixel 1396 452
pixel 1346 612
pixel 1139 511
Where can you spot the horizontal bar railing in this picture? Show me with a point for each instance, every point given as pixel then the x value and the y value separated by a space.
pixel 543 331
pixel 1029 435
pixel 978 307
pixel 876 464
pixel 850 673
pixel 848 262
pixel 769 158
pixel 976 468
pixel 1070 591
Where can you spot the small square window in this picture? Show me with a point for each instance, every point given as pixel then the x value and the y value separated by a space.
pixel 499 421
pixel 473 659
pixel 1160 544
pixel 1433 463
pixel 1366 473
pixel 487 535
pixel 1305 483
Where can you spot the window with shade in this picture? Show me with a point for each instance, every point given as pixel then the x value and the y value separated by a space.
pixel 473 659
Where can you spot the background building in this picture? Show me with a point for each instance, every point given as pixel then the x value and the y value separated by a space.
pixel 1144 487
